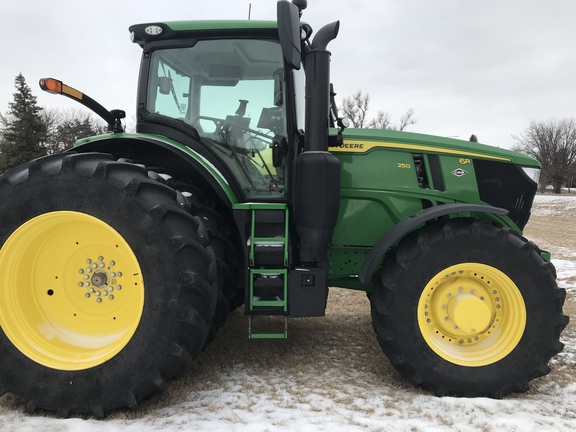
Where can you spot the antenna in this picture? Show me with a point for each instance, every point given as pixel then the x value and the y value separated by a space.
pixel 249 10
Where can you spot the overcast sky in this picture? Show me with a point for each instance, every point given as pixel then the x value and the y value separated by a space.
pixel 486 67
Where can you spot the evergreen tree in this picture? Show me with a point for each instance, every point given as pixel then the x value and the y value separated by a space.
pixel 24 132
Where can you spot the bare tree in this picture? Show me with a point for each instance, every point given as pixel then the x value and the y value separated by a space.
pixel 407 119
pixel 356 107
pixel 553 144
pixel 381 121
pixel 66 127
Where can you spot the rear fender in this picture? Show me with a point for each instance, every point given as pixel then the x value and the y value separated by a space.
pixel 164 152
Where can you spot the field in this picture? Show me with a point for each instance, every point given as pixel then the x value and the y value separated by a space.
pixel 330 375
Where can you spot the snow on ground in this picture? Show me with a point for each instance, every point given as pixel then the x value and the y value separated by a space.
pixel 303 395
pixel 554 204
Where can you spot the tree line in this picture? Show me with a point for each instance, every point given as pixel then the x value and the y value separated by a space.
pixel 553 143
pixel 28 131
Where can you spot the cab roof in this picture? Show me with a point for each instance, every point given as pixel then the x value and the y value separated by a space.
pixel 150 32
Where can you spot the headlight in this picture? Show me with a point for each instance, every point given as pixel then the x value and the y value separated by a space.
pixel 532 173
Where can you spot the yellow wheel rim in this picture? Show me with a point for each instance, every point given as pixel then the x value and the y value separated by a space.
pixel 71 293
pixel 471 314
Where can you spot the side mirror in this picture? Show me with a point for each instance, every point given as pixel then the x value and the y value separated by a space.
pixel 289 32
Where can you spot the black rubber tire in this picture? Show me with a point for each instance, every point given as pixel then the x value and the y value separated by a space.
pixel 220 234
pixel 178 268
pixel 422 255
pixel 224 252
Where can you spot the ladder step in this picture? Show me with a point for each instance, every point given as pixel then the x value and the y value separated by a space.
pixel 267 335
pixel 268 302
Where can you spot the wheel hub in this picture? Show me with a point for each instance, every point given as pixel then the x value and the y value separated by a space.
pixel 101 278
pixel 469 313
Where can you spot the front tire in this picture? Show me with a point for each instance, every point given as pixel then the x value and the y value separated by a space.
pixel 468 308
pixel 107 287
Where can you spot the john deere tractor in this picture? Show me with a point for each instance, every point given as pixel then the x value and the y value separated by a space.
pixel 120 259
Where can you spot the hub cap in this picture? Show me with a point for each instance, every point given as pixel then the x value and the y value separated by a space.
pixel 72 291
pixel 471 314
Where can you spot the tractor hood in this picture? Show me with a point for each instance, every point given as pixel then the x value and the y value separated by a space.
pixel 364 140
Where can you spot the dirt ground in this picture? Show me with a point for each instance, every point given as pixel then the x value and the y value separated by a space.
pixel 553 227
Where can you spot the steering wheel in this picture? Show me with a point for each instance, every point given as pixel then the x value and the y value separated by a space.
pixel 223 124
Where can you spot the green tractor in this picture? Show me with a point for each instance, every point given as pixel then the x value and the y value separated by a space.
pixel 120 260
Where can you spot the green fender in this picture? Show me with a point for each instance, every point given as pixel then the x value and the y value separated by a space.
pixel 413 221
pixel 114 144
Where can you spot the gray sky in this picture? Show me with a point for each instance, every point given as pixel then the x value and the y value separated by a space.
pixel 486 67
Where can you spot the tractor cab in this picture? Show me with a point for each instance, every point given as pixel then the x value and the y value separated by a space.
pixel 230 91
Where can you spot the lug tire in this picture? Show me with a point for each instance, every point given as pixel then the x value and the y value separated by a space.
pixel 467 308
pixel 169 296
pixel 220 234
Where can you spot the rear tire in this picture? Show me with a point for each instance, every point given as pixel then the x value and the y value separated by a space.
pixel 98 347
pixel 219 239
pixel 467 308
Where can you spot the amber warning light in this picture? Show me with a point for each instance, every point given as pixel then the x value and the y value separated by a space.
pixel 51 85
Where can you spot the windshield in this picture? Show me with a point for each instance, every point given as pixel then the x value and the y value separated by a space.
pixel 231 92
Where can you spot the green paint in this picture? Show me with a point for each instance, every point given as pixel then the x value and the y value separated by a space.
pixel 220 25
pixel 170 142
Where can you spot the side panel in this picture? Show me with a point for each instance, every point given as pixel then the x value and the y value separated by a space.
pixel 381 187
